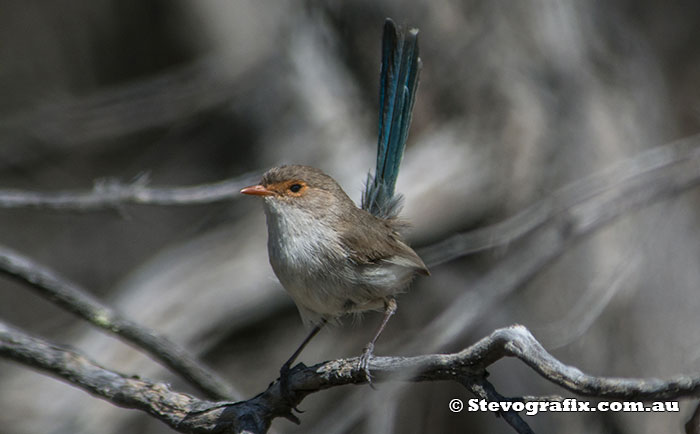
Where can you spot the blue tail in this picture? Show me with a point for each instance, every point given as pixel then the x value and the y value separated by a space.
pixel 397 93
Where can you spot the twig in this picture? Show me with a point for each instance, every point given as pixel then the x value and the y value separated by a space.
pixel 77 300
pixel 641 170
pixel 553 224
pixel 156 101
pixel 191 415
pixel 76 369
pixel 517 341
pixel 588 308
pixel 581 209
pixel 113 194
pixel 482 388
pixel 693 424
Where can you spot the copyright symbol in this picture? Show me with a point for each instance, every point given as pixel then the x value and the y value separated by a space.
pixel 456 405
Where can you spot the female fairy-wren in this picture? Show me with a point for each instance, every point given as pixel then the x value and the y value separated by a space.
pixel 332 257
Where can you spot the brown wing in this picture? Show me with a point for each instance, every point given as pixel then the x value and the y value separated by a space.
pixel 371 240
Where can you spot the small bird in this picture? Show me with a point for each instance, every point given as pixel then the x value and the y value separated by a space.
pixel 332 257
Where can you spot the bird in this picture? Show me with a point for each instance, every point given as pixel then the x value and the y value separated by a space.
pixel 331 256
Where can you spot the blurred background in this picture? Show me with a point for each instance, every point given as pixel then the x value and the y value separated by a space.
pixel 516 100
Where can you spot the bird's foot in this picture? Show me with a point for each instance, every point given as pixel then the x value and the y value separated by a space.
pixel 284 386
pixel 367 354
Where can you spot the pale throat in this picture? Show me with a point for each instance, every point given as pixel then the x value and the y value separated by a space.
pixel 296 238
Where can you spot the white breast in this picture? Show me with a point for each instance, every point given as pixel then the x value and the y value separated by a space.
pixel 306 255
pixel 313 266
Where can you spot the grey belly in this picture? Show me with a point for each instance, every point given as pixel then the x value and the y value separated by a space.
pixel 355 289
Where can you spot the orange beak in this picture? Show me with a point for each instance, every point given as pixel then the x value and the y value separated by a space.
pixel 257 190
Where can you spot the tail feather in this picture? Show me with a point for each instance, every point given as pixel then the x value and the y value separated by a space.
pixel 397 92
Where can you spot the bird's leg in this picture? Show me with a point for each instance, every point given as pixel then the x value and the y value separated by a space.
pixel 284 370
pixel 368 352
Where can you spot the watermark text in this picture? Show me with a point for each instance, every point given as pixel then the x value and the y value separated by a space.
pixel 531 408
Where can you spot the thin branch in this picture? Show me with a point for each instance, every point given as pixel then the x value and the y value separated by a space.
pixel 553 224
pixel 693 424
pixel 113 194
pixel 640 171
pixel 482 388
pixel 78 301
pixel 156 101
pixel 581 209
pixel 188 414
pixel 74 368
pixel 574 323
pixel 517 341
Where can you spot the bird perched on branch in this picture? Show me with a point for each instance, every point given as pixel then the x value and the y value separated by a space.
pixel 332 257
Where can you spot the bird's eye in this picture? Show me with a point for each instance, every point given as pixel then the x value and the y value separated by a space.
pixel 294 188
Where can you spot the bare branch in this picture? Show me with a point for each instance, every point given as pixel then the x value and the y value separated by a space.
pixel 178 93
pixel 485 390
pixel 632 182
pixel 553 224
pixel 693 424
pixel 579 210
pixel 654 170
pixel 190 415
pixel 517 341
pixel 78 301
pixel 129 392
pixel 113 194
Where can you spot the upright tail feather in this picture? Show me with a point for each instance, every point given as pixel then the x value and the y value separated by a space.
pixel 397 93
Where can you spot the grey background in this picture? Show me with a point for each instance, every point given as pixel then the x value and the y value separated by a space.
pixel 516 100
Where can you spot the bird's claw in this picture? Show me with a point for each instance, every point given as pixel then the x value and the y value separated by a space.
pixel 287 394
pixel 284 385
pixel 292 418
pixel 367 354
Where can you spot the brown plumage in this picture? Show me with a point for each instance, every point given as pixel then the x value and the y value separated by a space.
pixel 363 259
pixel 332 257
pixel 368 238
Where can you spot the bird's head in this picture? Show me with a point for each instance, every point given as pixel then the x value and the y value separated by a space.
pixel 300 187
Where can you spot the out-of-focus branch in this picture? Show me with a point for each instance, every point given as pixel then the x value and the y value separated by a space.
pixel 693 424
pixel 113 194
pixel 654 170
pixel 579 210
pixel 78 301
pixel 551 226
pixel 160 100
pixel 648 174
pixel 191 415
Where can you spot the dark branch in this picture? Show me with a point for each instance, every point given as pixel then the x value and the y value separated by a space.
pixel 188 414
pixel 693 424
pixel 482 388
pixel 76 369
pixel 78 301
pixel 573 212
